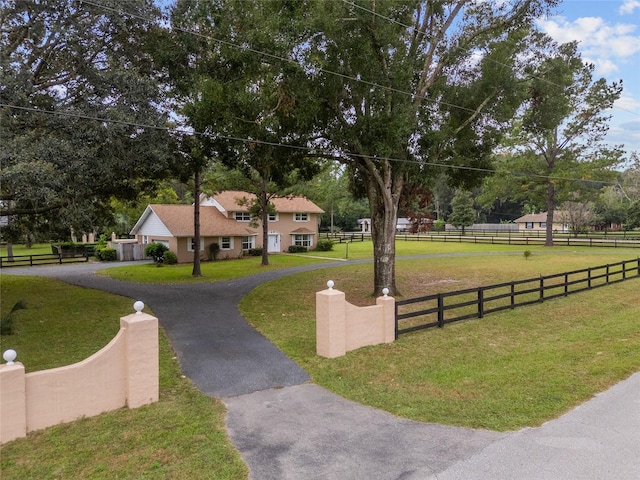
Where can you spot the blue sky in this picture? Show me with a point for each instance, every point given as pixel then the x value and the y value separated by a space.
pixel 609 36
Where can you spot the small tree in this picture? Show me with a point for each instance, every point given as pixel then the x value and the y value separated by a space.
pixel 462 212
pixel 579 216
pixel 155 251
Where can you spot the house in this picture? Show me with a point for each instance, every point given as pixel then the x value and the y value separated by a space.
pixel 225 222
pixel 402 225
pixel 537 222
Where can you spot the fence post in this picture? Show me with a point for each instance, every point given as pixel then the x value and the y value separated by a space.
pixel 388 305
pixel 480 302
pixel 513 296
pixel 330 322
pixel 566 284
pixel 607 275
pixel 13 401
pixel 142 354
pixel 589 277
pixel 440 311
pixel 541 288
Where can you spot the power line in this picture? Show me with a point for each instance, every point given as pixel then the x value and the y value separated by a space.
pixel 311 150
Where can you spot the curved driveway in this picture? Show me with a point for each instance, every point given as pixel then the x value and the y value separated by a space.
pixel 305 432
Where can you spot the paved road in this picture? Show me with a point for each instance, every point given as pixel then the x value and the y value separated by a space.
pixel 287 428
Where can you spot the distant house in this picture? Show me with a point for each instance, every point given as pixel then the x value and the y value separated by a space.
pixel 402 224
pixel 537 222
pixel 225 222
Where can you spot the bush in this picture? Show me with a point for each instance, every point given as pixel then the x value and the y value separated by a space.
pixel 214 249
pixel 156 251
pixel 255 252
pixel 106 254
pixel 438 226
pixel 297 249
pixel 169 258
pixel 324 245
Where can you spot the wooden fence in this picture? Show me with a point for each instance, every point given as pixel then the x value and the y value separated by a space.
pixel 522 240
pixel 43 259
pixel 439 309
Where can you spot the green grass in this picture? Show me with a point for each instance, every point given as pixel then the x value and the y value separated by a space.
pixel 211 271
pixel 510 370
pixel 180 437
pixel 20 249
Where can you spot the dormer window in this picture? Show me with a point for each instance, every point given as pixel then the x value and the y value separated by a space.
pixel 301 217
pixel 242 216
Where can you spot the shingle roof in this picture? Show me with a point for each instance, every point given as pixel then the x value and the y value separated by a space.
pixel 179 220
pixel 229 201
pixel 532 217
pixel 558 217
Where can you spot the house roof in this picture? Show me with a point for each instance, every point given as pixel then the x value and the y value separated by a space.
pixel 178 219
pixel 532 217
pixel 228 200
pixel 540 217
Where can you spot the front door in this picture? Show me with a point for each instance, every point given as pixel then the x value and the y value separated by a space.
pixel 274 243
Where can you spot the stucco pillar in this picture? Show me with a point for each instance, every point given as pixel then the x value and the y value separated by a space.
pixel 142 359
pixel 13 402
pixel 388 305
pixel 330 323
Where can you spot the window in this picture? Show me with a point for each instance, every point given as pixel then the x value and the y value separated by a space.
pixel 243 216
pixel 303 240
pixel 300 217
pixel 248 243
pixel 529 225
pixel 191 244
pixel 226 243
pixel 145 239
pixel 543 224
pixel 273 217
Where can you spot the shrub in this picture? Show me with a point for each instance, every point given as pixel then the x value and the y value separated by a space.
pixel 156 251
pixel 169 258
pixel 255 252
pixel 214 249
pixel 297 249
pixel 527 254
pixel 106 254
pixel 324 245
pixel 438 226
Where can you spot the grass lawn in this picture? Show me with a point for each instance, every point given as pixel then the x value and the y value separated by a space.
pixel 182 436
pixel 510 370
pixel 211 271
pixel 20 249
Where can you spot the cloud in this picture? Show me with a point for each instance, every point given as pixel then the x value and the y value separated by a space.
pixel 628 103
pixel 629 6
pixel 601 43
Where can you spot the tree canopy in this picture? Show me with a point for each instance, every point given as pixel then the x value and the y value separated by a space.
pixel 78 87
pixel 556 146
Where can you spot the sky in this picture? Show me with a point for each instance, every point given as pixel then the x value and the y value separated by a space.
pixel 608 32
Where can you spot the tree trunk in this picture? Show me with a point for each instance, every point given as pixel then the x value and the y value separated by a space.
pixel 197 272
pixel 548 242
pixel 384 197
pixel 264 203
